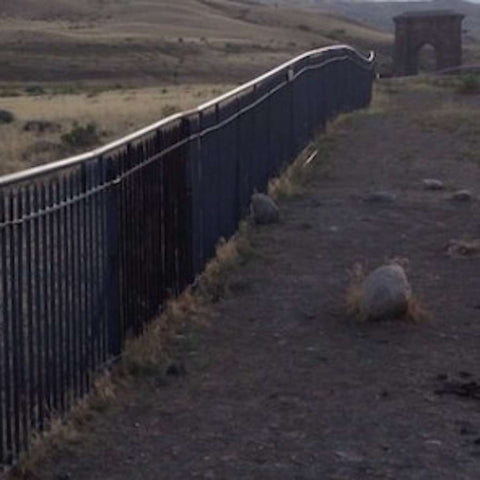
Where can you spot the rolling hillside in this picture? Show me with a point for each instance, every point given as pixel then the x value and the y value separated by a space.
pixel 150 41
pixel 380 15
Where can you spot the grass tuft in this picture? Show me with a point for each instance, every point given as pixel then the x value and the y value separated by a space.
pixel 148 354
pixel 353 296
pixel 213 284
pixel 293 180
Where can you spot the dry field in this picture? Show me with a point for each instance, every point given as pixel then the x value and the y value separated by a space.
pixel 102 69
pixel 43 124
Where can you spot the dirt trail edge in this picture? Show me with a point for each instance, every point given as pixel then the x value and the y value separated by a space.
pixel 282 384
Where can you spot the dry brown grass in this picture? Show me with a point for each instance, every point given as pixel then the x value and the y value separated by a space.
pixel 461 121
pixel 116 113
pixel 160 40
pixel 452 117
pixel 292 181
pixel 149 354
pixel 354 293
pixel 213 283
pixel 295 178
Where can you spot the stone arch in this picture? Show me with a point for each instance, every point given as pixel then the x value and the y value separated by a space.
pixel 440 28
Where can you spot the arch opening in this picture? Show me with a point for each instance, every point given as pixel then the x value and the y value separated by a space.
pixel 427 58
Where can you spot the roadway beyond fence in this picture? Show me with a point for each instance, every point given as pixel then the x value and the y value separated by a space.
pixel 93 245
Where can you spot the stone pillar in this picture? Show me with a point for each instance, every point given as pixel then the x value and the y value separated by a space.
pixel 440 28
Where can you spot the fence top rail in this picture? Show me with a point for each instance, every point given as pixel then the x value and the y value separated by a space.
pixel 49 168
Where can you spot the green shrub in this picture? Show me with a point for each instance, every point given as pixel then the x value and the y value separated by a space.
pixel 35 90
pixel 82 136
pixel 168 110
pixel 9 92
pixel 336 34
pixel 304 28
pixel 469 84
pixel 6 116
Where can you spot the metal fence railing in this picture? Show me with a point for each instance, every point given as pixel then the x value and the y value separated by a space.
pixel 91 246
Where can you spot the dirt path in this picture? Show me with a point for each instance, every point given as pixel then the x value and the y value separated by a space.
pixel 283 385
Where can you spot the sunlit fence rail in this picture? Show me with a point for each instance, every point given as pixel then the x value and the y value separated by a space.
pixel 92 246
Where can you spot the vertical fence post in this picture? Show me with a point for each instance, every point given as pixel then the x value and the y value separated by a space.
pixel 194 190
pixel 185 208
pixel 238 159
pixel 4 412
pixel 291 110
pixel 112 297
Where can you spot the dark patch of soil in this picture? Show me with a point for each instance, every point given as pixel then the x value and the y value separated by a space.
pixel 282 384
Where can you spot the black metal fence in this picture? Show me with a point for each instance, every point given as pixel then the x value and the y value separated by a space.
pixel 91 246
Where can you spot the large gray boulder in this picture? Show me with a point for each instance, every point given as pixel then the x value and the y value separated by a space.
pixel 385 294
pixel 462 196
pixel 432 184
pixel 264 210
pixel 381 196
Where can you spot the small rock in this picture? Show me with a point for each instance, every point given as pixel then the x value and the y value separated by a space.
pixel 432 184
pixel 349 456
pixel 463 248
pixel 436 443
pixel 381 196
pixel 385 293
pixel 462 196
pixel 176 370
pixel 63 476
pixel 264 210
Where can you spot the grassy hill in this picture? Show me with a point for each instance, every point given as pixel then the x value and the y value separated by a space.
pixel 151 41
pixel 379 14
pixel 99 69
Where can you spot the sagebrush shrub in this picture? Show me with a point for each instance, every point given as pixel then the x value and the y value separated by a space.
pixel 6 116
pixel 82 136
pixel 469 84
